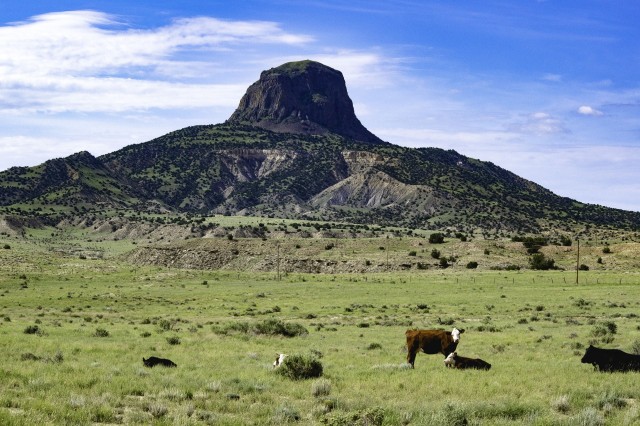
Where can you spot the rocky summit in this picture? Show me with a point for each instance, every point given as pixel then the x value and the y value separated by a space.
pixel 302 97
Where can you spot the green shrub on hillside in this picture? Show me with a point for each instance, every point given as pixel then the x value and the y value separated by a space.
pixel 540 262
pixel 436 238
pixel 298 367
pixel 269 327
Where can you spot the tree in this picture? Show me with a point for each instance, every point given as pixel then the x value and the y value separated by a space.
pixel 540 262
pixel 436 238
pixel 565 241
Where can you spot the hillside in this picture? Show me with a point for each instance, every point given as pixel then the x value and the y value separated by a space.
pixel 295 149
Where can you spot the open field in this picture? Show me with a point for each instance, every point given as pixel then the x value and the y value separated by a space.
pixel 74 331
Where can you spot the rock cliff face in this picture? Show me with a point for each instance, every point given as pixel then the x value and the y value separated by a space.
pixel 302 97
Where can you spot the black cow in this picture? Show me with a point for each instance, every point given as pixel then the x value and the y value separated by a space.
pixel 611 360
pixel 153 361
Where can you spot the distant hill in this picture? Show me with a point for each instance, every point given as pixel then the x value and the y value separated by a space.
pixel 295 149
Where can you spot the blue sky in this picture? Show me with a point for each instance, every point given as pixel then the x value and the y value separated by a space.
pixel 547 89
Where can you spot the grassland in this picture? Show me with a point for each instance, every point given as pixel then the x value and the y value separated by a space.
pixel 73 332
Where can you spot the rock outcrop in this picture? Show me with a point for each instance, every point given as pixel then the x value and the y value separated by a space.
pixel 302 97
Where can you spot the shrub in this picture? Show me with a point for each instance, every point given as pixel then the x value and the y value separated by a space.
pixel 367 417
pixel 606 250
pixel 321 387
pixel 446 321
pixel 167 325
pixel 472 265
pixel 435 253
pixel 174 340
pixel 413 253
pixel 561 404
pixel 443 263
pixel 533 244
pixel 32 329
pixel 583 267
pixel 565 241
pixel 436 238
pixel 611 399
pixel 589 417
pixel 540 262
pixel 28 356
pixel 7 247
pixel 373 346
pixel 101 332
pixel 275 327
pixel 270 327
pixel 605 331
pixel 298 367
pixel 285 414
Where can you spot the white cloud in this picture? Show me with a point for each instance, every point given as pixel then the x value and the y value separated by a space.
pixel 88 61
pixel 552 77
pixel 587 110
pixel 539 123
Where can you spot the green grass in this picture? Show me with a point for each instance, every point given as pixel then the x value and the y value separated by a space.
pixel 531 326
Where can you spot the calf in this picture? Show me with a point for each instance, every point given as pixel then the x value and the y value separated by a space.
pixel 153 361
pixel 461 362
pixel 279 360
pixel 431 342
pixel 611 359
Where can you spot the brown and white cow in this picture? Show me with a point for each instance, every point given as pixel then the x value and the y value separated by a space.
pixel 279 360
pixel 461 362
pixel 431 342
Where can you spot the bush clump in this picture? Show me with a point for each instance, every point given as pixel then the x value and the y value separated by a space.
pixel 540 262
pixel 275 327
pixel 174 340
pixel 299 367
pixel 101 332
pixel 32 329
pixel 270 327
pixel 436 238
pixel 369 417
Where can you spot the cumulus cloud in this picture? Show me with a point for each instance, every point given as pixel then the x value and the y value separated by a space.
pixel 587 110
pixel 86 61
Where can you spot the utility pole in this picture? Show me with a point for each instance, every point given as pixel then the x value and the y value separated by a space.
pixel 578 261
pixel 387 250
pixel 278 260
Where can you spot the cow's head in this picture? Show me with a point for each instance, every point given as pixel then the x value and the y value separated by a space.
pixel 450 360
pixel 279 360
pixel 455 333
pixel 590 356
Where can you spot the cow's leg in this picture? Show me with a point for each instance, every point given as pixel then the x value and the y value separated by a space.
pixel 412 351
pixel 411 357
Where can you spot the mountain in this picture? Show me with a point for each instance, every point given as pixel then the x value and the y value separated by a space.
pixel 295 149
pixel 302 97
